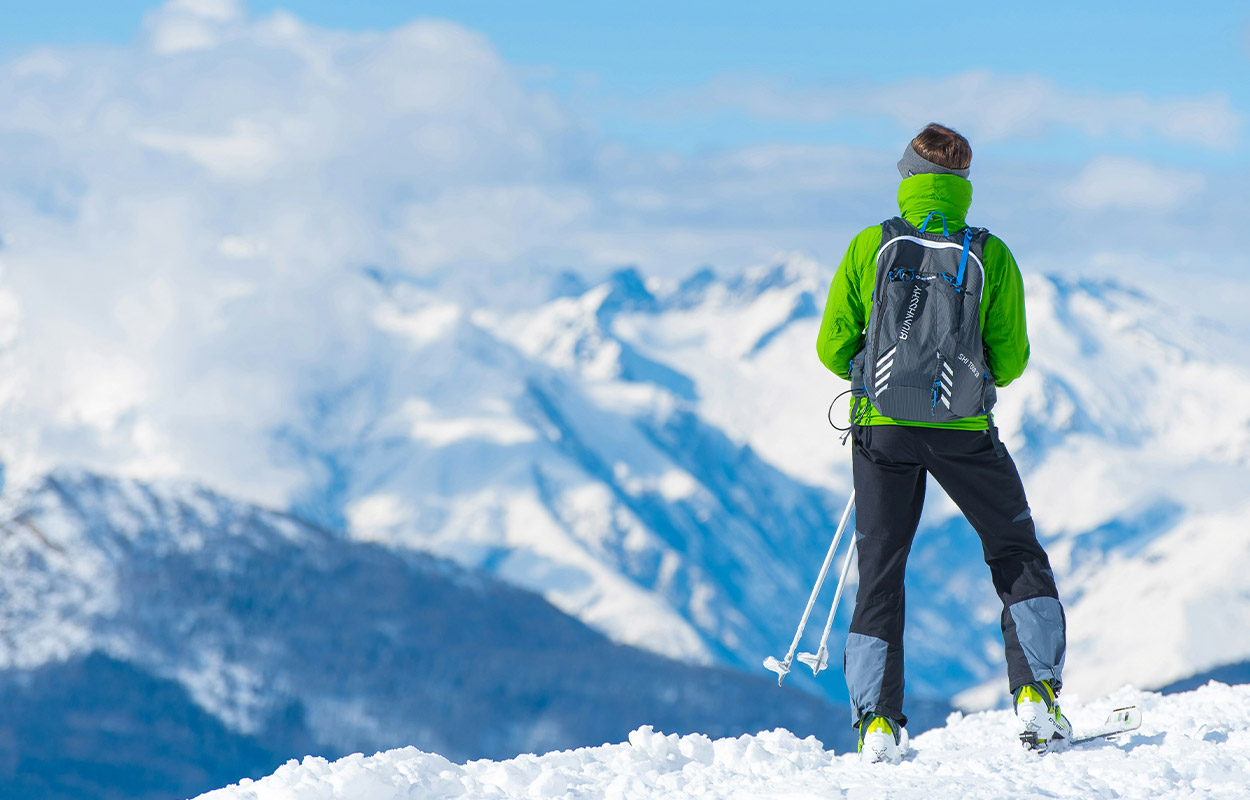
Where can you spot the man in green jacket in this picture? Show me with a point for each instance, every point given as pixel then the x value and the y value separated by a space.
pixel 891 459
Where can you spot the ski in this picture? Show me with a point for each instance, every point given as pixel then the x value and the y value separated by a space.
pixel 1121 720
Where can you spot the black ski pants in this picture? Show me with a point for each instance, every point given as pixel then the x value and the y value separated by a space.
pixel 973 467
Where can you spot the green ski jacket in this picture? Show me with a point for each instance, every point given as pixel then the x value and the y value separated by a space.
pixel 850 294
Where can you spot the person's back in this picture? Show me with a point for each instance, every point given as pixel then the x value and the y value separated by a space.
pixel 892 457
pixel 920 194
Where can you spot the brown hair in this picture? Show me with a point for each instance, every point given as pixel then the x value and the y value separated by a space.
pixel 943 146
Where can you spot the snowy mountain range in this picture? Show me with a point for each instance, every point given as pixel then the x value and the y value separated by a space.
pixel 654 459
pixel 163 639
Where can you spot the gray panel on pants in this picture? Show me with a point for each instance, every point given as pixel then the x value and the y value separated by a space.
pixel 1039 627
pixel 864 666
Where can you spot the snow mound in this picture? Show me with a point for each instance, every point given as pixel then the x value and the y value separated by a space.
pixel 1195 744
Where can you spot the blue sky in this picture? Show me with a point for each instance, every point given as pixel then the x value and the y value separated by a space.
pixel 632 69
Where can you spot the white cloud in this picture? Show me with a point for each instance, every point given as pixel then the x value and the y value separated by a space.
pixel 182 26
pixel 216 10
pixel 10 318
pixel 41 64
pixel 247 152
pixel 101 389
pixel 987 106
pixel 1111 182
pixel 242 248
pixel 421 326
pixel 186 223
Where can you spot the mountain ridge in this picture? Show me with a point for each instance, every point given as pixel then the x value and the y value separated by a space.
pixel 1095 424
pixel 269 638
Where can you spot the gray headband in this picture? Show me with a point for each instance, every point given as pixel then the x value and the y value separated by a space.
pixel 912 163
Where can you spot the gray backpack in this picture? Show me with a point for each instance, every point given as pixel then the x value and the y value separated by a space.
pixel 924 359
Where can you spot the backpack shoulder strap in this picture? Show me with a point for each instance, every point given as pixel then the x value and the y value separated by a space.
pixel 896 226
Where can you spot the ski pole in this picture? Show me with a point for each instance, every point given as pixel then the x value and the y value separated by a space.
pixel 783 667
pixel 820 659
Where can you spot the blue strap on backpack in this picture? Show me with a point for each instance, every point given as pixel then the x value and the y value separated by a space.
pixel 963 257
pixel 925 224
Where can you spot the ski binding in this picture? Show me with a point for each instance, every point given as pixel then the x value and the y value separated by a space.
pixel 1121 720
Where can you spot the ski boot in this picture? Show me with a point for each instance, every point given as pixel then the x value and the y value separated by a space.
pixel 881 739
pixel 1042 726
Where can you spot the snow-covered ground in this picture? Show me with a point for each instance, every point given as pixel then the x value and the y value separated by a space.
pixel 1190 745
